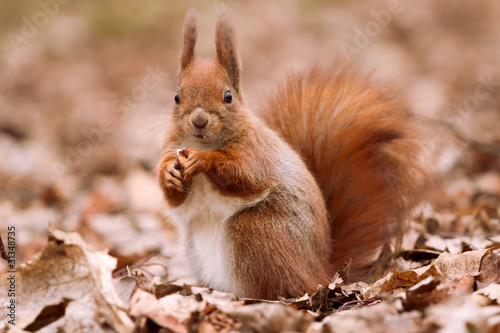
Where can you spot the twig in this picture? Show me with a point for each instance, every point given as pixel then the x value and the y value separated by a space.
pixel 357 301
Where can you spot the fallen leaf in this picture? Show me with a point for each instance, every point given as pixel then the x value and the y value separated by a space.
pixel 220 322
pixel 71 281
pixel 379 318
pixel 453 267
pixel 222 300
pixel 172 311
pixel 124 287
pixel 429 292
pixel 463 314
pixel 266 317
pixel 491 292
pixel 319 300
pixel 397 280
pixel 489 271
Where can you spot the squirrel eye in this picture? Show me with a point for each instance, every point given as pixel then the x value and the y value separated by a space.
pixel 177 99
pixel 228 98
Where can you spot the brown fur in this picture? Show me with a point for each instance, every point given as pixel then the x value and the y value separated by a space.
pixel 363 149
pixel 225 45
pixel 190 33
pixel 276 236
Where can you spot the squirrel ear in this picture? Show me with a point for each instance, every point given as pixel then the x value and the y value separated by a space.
pixel 190 32
pixel 225 45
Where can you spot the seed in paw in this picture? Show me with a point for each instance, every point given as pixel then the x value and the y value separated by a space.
pixel 182 155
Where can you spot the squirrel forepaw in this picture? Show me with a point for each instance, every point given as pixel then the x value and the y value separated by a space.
pixel 193 165
pixel 172 179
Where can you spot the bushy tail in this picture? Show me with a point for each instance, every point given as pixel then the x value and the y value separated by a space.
pixel 362 146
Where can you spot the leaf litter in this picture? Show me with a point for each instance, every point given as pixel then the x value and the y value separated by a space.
pixel 70 286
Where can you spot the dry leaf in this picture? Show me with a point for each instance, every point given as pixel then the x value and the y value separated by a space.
pixel 463 314
pixel 267 318
pixel 172 311
pixel 396 280
pixel 220 322
pixel 489 270
pixel 224 301
pixel 453 267
pixel 491 292
pixel 124 287
pixel 429 291
pixel 379 318
pixel 68 286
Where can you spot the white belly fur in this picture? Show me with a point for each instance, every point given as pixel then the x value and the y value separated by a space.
pixel 201 221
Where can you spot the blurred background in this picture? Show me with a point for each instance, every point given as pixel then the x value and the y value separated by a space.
pixel 86 89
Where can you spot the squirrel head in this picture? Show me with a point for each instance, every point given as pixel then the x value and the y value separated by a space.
pixel 208 105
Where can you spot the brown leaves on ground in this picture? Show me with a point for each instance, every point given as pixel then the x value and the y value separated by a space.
pixel 69 287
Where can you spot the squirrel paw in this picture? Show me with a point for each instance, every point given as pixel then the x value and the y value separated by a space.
pixel 173 178
pixel 192 166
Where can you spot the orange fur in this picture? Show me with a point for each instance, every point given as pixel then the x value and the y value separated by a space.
pixel 363 148
pixel 251 214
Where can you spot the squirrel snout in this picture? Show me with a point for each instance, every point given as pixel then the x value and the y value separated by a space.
pixel 199 119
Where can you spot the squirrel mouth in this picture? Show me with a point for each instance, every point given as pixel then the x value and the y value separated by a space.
pixel 199 136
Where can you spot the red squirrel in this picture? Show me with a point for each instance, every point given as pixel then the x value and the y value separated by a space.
pixel 273 206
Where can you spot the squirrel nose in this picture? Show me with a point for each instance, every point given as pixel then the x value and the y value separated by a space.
pixel 199 119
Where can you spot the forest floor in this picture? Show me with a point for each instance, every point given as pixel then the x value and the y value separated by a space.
pixel 85 95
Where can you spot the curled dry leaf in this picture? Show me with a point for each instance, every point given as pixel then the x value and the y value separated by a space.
pixel 186 307
pixel 172 312
pixel 446 268
pixel 453 267
pixel 73 280
pixel 489 270
pixel 224 301
pixel 429 291
pixel 141 281
pixel 124 287
pixel 397 280
pixel 319 300
pixel 408 279
pixel 297 303
pixel 491 293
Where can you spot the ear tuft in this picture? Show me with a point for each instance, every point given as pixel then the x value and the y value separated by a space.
pixel 225 44
pixel 190 33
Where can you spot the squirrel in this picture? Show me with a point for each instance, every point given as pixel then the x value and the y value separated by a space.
pixel 273 206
